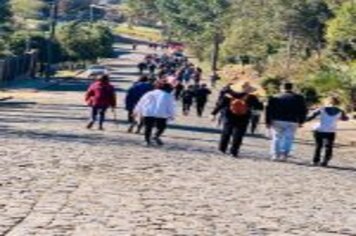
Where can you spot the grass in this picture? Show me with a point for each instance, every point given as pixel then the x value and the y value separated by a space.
pixel 146 33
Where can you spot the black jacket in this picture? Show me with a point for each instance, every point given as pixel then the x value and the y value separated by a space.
pixel 223 106
pixel 289 106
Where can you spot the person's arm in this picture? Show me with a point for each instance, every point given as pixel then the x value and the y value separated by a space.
pixel 221 104
pixel 303 110
pixel 313 115
pixel 269 111
pixel 344 117
pixel 89 94
pixel 140 105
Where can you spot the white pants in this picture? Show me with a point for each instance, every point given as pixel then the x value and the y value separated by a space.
pixel 283 134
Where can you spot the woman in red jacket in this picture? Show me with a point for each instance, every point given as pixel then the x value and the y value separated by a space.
pixel 100 96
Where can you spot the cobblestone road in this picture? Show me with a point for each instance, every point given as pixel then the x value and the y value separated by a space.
pixel 56 178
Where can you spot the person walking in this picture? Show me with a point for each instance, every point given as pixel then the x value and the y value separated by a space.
pixel 178 90
pixel 156 108
pixel 134 94
pixel 100 96
pixel 187 99
pixel 284 114
pixel 325 130
pixel 235 106
pixel 142 66
pixel 201 98
pixel 214 78
pixel 256 116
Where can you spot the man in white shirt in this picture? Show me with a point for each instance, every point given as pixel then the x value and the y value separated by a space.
pixel 156 108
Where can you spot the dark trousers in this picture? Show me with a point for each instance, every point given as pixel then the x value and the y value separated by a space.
pixel 133 123
pixel 152 122
pixel 186 107
pixel 254 121
pixel 200 107
pixel 323 141
pixel 235 131
pixel 98 111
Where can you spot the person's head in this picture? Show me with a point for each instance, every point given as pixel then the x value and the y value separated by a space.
pixel 332 101
pixel 164 86
pixel 103 78
pixel 288 87
pixel 190 87
pixel 248 88
pixel 204 85
pixel 143 78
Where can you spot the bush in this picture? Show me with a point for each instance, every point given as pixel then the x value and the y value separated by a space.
pixel 85 42
pixel 272 84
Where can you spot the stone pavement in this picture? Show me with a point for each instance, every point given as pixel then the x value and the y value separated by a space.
pixel 57 178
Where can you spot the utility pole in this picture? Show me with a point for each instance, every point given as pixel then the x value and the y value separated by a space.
pixel 52 35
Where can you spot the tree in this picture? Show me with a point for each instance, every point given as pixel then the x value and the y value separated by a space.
pixel 85 42
pixel 142 10
pixel 198 22
pixel 26 9
pixel 341 33
pixel 4 11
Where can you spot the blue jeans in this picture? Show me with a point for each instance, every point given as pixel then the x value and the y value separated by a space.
pixel 283 135
pixel 101 111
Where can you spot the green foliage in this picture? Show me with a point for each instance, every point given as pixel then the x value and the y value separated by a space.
pixel 341 32
pixel 4 11
pixel 82 41
pixel 26 8
pixel 272 85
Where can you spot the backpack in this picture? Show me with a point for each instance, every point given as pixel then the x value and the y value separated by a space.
pixel 238 106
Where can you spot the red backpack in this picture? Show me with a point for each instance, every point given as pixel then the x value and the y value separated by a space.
pixel 239 106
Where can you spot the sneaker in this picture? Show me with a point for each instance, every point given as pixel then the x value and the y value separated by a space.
pixel 275 158
pixel 324 164
pixel 158 141
pixel 90 125
pixel 101 128
pixel 130 129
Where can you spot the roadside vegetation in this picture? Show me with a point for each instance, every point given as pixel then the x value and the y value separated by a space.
pixel 310 42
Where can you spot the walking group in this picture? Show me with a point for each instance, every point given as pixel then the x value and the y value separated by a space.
pixel 151 104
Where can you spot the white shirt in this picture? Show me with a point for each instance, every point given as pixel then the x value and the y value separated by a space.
pixel 327 123
pixel 158 104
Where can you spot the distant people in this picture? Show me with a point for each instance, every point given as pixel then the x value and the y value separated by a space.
pixel 156 108
pixel 325 130
pixel 133 96
pixel 188 99
pixel 178 90
pixel 284 114
pixel 256 117
pixel 198 75
pixel 201 98
pixel 100 96
pixel 214 78
pixel 236 107
pixel 152 68
pixel 142 66
pixel 134 46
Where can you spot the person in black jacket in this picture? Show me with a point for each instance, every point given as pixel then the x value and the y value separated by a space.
pixel 234 124
pixel 201 98
pixel 187 99
pixel 284 113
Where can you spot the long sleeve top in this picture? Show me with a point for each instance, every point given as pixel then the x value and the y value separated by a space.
pixel 289 106
pixel 158 104
pixel 329 116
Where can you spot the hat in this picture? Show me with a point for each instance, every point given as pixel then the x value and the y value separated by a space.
pixel 243 86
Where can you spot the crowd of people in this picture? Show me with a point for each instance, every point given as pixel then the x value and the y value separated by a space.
pixel 151 104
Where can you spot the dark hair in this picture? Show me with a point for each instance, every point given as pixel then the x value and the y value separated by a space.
pixel 288 86
pixel 143 78
pixel 166 87
pixel 103 78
